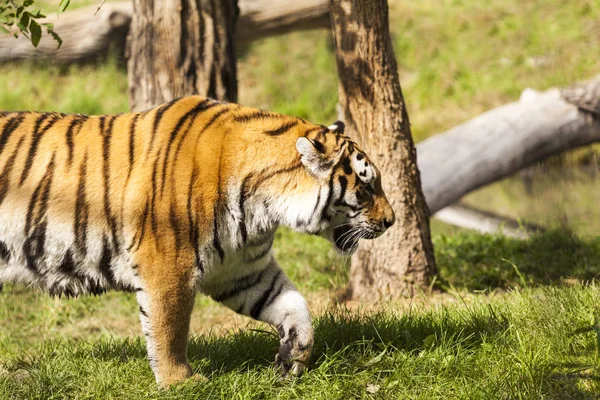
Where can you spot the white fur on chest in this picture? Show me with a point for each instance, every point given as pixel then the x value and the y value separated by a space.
pixel 243 262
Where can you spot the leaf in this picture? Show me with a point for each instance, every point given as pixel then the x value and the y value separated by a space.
pixel 3 30
pixel 36 13
pixel 9 19
pixel 57 38
pixel 24 21
pixel 63 5
pixel 429 340
pixel 372 388
pixel 36 33
pixel 376 359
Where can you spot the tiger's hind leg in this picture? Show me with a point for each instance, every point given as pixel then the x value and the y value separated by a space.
pixel 268 295
pixel 166 300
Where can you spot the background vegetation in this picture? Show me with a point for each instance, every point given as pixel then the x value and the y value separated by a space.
pixel 515 319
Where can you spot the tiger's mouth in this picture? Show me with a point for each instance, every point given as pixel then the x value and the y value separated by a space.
pixel 346 238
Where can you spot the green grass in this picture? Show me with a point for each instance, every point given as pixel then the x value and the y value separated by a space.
pixel 301 78
pixel 74 89
pixel 488 262
pixel 310 261
pixel 461 57
pixel 531 344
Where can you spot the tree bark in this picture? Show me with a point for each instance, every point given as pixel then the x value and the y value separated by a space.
pixel 181 47
pixel 89 36
pixel 374 110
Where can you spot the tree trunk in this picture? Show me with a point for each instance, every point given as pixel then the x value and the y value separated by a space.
pixel 374 111
pixel 181 47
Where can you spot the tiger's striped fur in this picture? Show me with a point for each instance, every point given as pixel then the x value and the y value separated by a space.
pixel 184 197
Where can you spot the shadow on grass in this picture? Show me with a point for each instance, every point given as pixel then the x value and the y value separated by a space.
pixel 340 334
pixel 477 262
pixel 337 334
pixel 576 382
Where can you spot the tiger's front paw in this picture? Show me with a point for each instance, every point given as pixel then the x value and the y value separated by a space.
pixel 294 351
pixel 174 374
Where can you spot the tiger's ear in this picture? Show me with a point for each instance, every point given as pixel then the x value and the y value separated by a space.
pixel 337 127
pixel 312 156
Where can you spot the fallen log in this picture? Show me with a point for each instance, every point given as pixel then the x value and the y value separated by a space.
pixel 502 141
pixel 262 18
pixel 88 35
pixel 482 221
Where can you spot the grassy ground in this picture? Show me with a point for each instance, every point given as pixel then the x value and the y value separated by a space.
pixel 498 331
pixel 527 344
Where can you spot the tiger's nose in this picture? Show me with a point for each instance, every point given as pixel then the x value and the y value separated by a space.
pixel 388 222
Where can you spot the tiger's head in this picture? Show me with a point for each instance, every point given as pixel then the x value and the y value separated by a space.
pixel 355 206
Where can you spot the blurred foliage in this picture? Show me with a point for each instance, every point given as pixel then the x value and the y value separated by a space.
pixel 84 89
pixel 19 17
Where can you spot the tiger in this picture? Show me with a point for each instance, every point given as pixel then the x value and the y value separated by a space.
pixel 182 198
